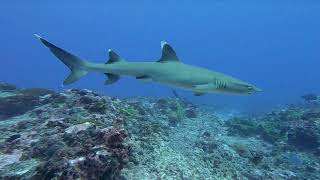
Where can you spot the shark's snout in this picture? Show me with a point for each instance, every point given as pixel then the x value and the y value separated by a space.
pixel 255 89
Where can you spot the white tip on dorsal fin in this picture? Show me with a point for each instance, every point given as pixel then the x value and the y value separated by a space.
pixel 37 36
pixel 168 54
pixel 163 43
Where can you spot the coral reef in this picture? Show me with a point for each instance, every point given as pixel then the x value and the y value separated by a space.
pixel 295 126
pixel 63 135
pixel 310 97
pixel 81 134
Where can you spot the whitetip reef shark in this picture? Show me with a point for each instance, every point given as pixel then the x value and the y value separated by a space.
pixel 167 70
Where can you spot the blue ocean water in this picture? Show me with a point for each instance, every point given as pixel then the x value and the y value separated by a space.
pixel 272 44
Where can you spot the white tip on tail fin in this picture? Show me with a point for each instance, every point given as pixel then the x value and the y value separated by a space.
pixel 75 75
pixel 74 63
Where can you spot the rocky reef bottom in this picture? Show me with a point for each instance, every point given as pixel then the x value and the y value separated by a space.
pixel 81 134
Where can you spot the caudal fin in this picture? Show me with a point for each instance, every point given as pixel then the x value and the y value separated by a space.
pixel 74 63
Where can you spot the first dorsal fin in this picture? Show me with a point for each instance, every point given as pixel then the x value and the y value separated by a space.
pixel 168 54
pixel 113 57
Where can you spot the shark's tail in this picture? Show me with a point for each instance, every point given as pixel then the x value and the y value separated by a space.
pixel 75 64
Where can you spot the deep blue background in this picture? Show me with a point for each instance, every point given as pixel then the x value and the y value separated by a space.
pixel 273 44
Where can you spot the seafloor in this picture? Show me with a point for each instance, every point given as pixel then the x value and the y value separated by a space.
pixel 81 134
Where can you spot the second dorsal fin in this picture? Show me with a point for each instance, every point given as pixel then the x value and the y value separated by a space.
pixel 113 57
pixel 168 53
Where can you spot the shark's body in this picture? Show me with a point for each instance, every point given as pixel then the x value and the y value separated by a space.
pixel 168 70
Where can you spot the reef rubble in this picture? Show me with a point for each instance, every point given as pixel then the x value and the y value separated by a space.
pixel 81 134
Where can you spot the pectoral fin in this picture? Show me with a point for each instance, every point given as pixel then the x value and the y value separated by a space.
pixel 199 93
pixel 144 78
pixel 201 89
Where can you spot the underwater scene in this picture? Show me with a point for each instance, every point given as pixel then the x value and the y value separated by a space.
pixel 157 90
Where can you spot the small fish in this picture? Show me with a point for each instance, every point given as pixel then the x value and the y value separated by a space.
pixel 167 70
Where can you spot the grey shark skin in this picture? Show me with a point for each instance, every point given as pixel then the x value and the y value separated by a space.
pixel 168 70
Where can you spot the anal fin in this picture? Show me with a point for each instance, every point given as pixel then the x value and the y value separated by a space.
pixel 112 78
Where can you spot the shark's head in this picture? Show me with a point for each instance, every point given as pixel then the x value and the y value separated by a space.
pixel 241 88
pixel 231 86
